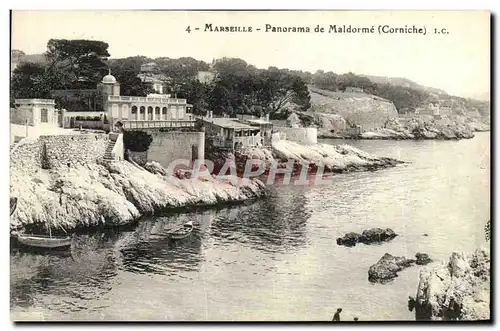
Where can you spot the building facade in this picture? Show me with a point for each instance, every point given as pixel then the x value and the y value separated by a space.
pixel 33 117
pixel 35 112
pixel 153 111
pixel 234 134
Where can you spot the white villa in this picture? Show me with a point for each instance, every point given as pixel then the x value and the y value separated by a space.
pixel 153 111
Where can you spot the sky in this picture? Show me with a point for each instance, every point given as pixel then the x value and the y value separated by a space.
pixel 457 62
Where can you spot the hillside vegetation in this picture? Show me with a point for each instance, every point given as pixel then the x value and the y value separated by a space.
pixel 238 88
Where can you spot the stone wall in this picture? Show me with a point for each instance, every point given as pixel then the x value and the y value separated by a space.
pixel 74 149
pixel 301 135
pixel 18 116
pixel 169 146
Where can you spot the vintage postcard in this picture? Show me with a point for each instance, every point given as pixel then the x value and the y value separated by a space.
pixel 250 166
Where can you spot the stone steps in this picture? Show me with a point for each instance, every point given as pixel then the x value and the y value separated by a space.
pixel 108 157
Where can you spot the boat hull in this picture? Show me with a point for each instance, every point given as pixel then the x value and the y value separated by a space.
pixel 44 242
pixel 180 234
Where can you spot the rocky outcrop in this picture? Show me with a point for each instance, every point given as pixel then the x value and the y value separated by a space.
pixel 115 194
pixel 423 127
pixel 388 266
pixel 333 158
pixel 375 235
pixel 456 290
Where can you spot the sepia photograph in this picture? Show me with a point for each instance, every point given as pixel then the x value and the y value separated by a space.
pixel 250 166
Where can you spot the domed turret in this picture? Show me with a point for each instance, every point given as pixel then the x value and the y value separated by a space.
pixel 109 78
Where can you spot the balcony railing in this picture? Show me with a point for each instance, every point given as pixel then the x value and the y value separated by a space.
pixel 166 100
pixel 127 124
pixel 249 141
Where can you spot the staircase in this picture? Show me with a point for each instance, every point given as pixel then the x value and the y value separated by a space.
pixel 108 156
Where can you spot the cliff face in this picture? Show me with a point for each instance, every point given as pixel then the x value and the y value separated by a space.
pixel 327 124
pixel 457 290
pixel 368 111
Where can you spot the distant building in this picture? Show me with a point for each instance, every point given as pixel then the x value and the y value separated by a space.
pixel 150 75
pixel 206 77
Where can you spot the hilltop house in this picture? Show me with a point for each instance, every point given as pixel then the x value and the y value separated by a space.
pixel 150 75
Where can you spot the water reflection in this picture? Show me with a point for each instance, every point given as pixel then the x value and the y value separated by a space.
pixel 275 224
pixel 82 274
pixel 147 249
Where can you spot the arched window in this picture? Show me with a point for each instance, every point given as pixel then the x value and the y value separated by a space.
pixel 44 116
pixel 164 110
pixel 157 110
pixel 134 113
pixel 142 111
pixel 150 113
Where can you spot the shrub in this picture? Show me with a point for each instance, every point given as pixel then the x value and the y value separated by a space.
pixel 137 141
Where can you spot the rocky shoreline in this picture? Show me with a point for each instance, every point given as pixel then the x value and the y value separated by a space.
pixel 318 157
pixel 406 128
pixel 455 290
pixel 112 195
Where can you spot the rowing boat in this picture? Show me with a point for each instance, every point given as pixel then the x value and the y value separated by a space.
pixel 182 232
pixel 41 241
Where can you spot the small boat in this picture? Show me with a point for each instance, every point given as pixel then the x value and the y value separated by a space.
pixel 13 205
pixel 182 232
pixel 41 241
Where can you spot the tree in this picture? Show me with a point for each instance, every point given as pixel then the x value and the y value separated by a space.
pixel 281 88
pixel 179 71
pixel 82 60
pixel 327 81
pixel 126 72
pixel 196 93
pixel 30 80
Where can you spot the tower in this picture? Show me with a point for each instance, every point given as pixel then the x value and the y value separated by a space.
pixel 109 86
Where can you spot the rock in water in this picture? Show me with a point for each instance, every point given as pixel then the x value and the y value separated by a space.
pixel 350 239
pixel 457 290
pixel 423 259
pixel 387 268
pixel 375 235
